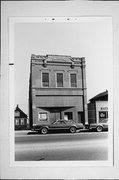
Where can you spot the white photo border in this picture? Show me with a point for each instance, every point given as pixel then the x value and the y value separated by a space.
pixel 9 9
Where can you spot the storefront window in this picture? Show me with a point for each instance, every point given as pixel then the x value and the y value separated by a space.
pixel 68 115
pixel 42 116
pixel 103 114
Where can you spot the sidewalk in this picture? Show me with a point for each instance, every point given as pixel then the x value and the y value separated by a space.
pixel 22 132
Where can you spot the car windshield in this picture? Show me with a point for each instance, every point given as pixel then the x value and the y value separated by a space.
pixel 54 122
pixel 58 122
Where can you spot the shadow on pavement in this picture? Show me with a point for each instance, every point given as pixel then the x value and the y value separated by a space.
pixel 61 131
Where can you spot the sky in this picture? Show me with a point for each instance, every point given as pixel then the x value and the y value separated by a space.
pixel 90 39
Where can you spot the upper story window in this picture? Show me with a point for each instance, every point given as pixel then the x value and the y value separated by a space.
pixel 73 80
pixel 45 79
pixel 17 113
pixel 59 79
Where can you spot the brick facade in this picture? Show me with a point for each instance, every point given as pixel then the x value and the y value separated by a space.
pixel 57 89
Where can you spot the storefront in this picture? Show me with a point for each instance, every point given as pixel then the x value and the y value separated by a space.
pixel 98 108
pixel 101 110
pixel 57 89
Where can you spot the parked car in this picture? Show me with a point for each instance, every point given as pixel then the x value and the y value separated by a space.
pixel 103 125
pixel 58 125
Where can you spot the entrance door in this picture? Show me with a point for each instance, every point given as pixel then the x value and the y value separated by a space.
pixel 54 116
pixel 81 117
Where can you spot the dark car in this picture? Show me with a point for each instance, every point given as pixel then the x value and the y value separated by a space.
pixel 103 125
pixel 58 125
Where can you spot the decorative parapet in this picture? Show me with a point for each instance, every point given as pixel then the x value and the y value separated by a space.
pixel 83 61
pixel 37 57
pixel 57 59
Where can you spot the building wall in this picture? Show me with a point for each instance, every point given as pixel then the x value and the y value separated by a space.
pixel 92 113
pixel 53 70
pixel 101 110
pixel 57 114
pixel 97 109
pixel 56 101
pixel 20 126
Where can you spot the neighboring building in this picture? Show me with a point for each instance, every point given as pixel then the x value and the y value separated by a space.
pixel 57 89
pixel 20 119
pixel 98 108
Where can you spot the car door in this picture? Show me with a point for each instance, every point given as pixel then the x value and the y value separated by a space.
pixel 105 124
pixel 55 125
pixel 63 125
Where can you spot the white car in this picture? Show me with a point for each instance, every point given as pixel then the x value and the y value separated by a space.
pixel 103 125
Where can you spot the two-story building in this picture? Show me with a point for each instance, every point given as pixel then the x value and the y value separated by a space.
pixel 20 120
pixel 57 89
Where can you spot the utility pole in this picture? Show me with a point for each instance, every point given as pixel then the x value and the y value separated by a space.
pixel 84 90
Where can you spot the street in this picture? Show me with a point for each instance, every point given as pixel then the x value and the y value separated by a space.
pixel 61 146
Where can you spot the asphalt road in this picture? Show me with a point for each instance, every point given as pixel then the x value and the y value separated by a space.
pixel 61 146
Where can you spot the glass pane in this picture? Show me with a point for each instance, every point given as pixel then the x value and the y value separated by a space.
pixel 43 116
pixel 103 115
pixel 73 80
pixel 17 121
pixel 69 115
pixel 59 80
pixel 45 80
pixel 17 113
pixel 22 121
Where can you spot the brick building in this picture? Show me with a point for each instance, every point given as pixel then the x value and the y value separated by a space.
pixel 98 107
pixel 20 119
pixel 57 89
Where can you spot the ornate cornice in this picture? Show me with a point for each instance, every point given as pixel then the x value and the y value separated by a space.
pixel 57 59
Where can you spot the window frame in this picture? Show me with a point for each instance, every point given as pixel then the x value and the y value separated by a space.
pixel 17 114
pixel 17 120
pixel 69 112
pixel 40 119
pixel 106 115
pixel 62 80
pixel 22 120
pixel 42 79
pixel 73 73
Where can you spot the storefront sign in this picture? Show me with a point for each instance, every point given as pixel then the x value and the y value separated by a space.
pixel 104 108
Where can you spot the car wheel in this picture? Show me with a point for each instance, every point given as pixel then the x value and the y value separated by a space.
pixel 44 130
pixel 99 128
pixel 72 129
